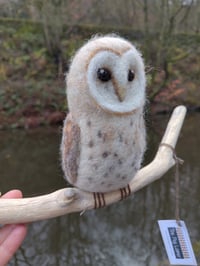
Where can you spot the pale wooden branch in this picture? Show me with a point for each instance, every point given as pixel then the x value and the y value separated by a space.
pixel 69 200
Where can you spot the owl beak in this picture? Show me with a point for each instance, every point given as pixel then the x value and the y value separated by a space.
pixel 120 92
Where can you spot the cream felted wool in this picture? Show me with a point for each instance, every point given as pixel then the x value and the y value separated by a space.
pixel 104 134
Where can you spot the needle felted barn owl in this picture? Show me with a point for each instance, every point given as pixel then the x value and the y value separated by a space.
pixel 103 138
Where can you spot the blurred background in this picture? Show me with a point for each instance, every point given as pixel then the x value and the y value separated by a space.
pixel 38 38
pixel 37 41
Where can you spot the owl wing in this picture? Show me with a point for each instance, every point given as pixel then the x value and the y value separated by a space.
pixel 70 149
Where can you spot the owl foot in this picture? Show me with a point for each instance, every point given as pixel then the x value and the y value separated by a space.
pixel 125 192
pixel 99 200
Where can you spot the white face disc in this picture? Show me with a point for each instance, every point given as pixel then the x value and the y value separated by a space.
pixel 117 82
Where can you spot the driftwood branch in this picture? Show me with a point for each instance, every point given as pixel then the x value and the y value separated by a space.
pixel 69 200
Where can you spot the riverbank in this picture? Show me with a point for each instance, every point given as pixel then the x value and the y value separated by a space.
pixel 32 81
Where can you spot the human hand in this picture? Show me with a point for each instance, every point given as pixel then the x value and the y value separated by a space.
pixel 11 236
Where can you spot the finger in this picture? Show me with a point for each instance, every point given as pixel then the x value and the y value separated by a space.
pixel 12 194
pixel 12 243
pixel 7 229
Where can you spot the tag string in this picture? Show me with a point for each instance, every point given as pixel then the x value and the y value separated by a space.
pixel 178 161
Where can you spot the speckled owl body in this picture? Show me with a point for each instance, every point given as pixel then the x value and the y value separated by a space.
pixel 104 135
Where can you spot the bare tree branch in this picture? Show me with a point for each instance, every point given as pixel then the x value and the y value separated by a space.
pixel 69 200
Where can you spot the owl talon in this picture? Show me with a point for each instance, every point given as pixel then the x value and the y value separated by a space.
pixel 99 200
pixel 125 192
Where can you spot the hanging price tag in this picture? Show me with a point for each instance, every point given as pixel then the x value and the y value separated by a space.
pixel 177 242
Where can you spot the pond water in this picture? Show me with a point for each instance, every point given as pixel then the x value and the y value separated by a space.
pixel 123 234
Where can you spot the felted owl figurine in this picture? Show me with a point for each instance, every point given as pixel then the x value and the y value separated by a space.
pixel 103 138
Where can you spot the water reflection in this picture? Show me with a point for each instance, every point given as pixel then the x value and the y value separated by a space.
pixel 29 160
pixel 125 233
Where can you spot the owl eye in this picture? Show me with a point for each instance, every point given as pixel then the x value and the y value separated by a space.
pixel 131 75
pixel 104 74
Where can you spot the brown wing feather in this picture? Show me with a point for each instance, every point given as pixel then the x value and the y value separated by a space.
pixel 70 149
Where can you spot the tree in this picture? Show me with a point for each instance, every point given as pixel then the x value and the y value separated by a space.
pixel 166 23
pixel 55 15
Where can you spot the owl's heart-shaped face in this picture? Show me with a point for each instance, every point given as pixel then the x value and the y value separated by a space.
pixel 116 80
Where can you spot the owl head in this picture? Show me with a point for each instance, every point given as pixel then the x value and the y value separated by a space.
pixel 107 74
